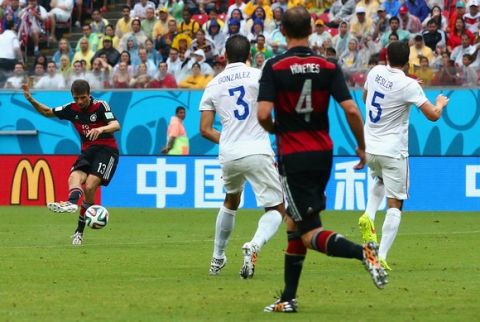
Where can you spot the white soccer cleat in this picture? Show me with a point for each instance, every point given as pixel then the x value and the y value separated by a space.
pixel 249 260
pixel 77 238
pixel 217 264
pixel 62 206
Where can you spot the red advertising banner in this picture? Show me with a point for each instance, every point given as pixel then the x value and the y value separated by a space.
pixel 35 179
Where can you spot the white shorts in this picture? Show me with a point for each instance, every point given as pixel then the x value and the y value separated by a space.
pixel 260 170
pixel 394 173
pixel 60 15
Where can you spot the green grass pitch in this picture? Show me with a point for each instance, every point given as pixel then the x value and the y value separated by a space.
pixel 152 265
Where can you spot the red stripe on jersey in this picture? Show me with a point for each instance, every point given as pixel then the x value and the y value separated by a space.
pixel 304 141
pixel 286 63
pixel 110 142
pixel 287 101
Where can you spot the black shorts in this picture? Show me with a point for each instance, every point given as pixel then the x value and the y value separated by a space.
pixel 98 160
pixel 306 197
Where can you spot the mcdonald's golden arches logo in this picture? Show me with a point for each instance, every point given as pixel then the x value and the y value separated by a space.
pixel 33 181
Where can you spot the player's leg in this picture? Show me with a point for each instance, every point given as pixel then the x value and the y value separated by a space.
pixel 75 181
pixel 265 180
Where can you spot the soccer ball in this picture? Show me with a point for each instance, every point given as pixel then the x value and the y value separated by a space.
pixel 96 217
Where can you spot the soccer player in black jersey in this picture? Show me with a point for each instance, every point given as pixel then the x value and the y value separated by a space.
pixel 297 86
pixel 95 122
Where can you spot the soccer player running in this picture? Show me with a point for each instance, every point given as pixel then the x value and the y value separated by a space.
pixel 245 153
pixel 388 94
pixel 297 85
pixel 95 123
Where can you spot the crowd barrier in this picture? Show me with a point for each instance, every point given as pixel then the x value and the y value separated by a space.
pixel 144 116
pixel 436 183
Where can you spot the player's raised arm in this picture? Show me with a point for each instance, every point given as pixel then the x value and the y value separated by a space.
pixel 206 126
pixel 41 108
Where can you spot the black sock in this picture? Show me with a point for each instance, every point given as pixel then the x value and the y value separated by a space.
pixel 339 246
pixel 293 269
pixel 74 195
pixel 81 217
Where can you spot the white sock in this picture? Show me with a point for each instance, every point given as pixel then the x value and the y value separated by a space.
pixel 376 194
pixel 223 228
pixel 389 231
pixel 267 227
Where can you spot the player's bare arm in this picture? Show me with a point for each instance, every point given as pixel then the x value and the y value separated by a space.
pixel 355 121
pixel 264 116
pixel 111 127
pixel 41 108
pixel 206 126
pixel 433 112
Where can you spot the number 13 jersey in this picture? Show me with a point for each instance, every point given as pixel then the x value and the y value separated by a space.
pixel 232 94
pixel 389 96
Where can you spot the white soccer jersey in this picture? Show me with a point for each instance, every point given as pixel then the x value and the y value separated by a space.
pixel 390 94
pixel 232 94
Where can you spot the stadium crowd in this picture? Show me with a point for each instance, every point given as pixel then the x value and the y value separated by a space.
pixel 181 44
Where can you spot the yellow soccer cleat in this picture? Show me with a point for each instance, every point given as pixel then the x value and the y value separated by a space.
pixel 384 264
pixel 367 229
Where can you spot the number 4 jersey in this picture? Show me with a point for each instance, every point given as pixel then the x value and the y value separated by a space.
pixel 232 94
pixel 389 96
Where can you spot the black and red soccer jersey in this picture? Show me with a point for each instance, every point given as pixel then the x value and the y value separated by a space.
pixel 97 114
pixel 299 83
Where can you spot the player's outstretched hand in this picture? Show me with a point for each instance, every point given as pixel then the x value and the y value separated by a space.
pixel 26 92
pixel 361 156
pixel 93 134
pixel 442 100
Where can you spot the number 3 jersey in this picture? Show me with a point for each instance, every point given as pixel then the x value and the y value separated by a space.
pixel 300 83
pixel 97 114
pixel 389 96
pixel 232 94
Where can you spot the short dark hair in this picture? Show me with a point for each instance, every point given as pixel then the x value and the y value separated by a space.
pixel 10 24
pixel 179 108
pixel 296 23
pixel 394 34
pixel 394 18
pixel 398 53
pixel 80 86
pixel 237 49
pixel 432 22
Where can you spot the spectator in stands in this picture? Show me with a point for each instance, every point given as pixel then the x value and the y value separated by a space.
pixel 41 59
pixel 63 49
pixel 217 36
pixel 394 23
pixel 392 7
pixel 61 12
pixel 464 48
pixel 240 5
pixel 197 80
pixel 277 43
pixel 182 42
pixel 251 9
pixel 111 53
pixel 235 18
pixel 100 74
pixel 260 47
pixel 205 44
pixel 258 60
pixel 109 32
pixel 331 53
pixel 409 22
pixel 152 53
pixel 124 24
pixel 446 76
pixel 164 43
pixel 185 66
pixel 341 10
pixel 164 79
pixel 92 38
pixel 173 62
pixel 437 16
pixel 32 19
pixel 137 32
pixel 125 58
pixel 188 25
pixel 468 74
pixel 78 72
pixel 149 64
pixel 233 27
pixel 149 22
pixel 161 26
pixel 432 36
pixel 472 17
pixel 142 77
pixel 199 57
pixel 98 23
pixel 424 72
pixel 121 77
pixel 258 16
pixel 18 78
pixel 275 22
pixel 371 7
pixel 10 53
pixel 437 62
pixel 219 65
pixel 65 68
pixel 140 9
pixel 317 38
pixel 417 51
pixel 175 9
pixel 77 9
pixel 52 79
pixel 39 72
pixel 458 13
pixel 212 18
pixel 85 53
pixel 454 38
pixel 350 59
pixel 418 8
pixel 380 23
pixel 132 49
pixel 361 24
